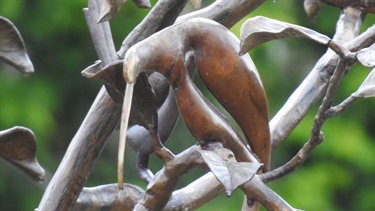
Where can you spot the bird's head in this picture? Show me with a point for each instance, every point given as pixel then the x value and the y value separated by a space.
pixel 131 66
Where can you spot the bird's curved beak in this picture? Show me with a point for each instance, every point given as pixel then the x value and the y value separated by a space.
pixel 130 74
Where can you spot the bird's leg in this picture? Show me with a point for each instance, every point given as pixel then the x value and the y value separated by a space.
pixel 162 152
pixel 142 167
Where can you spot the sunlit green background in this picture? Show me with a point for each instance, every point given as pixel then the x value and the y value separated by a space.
pixel 340 174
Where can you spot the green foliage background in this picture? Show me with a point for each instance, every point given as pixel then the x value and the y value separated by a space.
pixel 340 174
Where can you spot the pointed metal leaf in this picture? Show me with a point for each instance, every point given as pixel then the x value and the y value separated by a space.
pixel 109 9
pixel 367 56
pixel 12 47
pixel 92 70
pixel 111 76
pixel 219 168
pixel 18 146
pixel 242 172
pixel 367 88
pixel 258 30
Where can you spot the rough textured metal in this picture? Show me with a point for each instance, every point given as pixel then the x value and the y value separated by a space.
pixel 18 146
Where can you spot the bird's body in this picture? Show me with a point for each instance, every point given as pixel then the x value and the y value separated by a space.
pixel 231 78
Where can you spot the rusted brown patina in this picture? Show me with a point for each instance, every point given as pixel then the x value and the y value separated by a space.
pixel 231 78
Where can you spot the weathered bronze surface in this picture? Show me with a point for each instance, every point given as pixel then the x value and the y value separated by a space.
pixel 18 146
pixel 12 47
pixel 231 78
pixel 108 197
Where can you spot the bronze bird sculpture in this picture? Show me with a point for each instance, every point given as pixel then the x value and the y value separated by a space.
pixel 231 78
